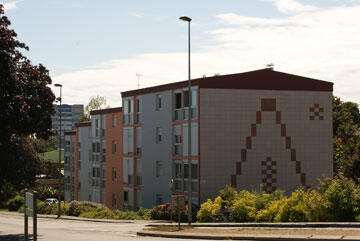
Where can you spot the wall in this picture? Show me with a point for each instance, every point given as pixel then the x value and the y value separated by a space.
pixel 85 169
pixel 151 151
pixel 268 139
pixel 114 160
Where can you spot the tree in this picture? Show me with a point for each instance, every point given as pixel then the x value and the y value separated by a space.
pixel 26 109
pixel 95 103
pixel 346 123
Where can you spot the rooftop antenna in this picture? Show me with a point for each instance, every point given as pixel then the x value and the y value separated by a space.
pixel 138 79
pixel 270 66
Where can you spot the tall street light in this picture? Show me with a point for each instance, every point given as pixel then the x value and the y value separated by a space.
pixel 59 144
pixel 188 20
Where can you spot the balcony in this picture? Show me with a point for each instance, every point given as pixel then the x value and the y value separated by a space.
pixel 138 118
pixel 177 150
pixel 177 115
pixel 128 119
pixel 138 151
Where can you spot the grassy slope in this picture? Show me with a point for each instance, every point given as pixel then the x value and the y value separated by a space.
pixel 53 155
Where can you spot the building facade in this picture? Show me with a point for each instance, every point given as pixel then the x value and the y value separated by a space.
pixel 82 157
pixel 259 130
pixel 69 165
pixel 70 114
pixel 256 130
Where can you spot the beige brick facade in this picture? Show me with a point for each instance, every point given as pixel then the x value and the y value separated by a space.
pixel 264 138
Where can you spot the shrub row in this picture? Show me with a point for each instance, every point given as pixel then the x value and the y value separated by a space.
pixel 336 200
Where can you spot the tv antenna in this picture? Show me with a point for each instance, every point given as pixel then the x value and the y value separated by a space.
pixel 138 79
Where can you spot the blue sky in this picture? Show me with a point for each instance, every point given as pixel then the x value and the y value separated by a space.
pixel 97 47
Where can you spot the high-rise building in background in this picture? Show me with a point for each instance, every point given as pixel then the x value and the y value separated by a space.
pixel 70 114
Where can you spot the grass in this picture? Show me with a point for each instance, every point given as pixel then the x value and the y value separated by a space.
pixel 3 210
pixel 169 228
pixel 53 155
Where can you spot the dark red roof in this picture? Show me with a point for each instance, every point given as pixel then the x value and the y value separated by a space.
pixel 263 79
pixel 106 111
pixel 69 133
pixel 82 124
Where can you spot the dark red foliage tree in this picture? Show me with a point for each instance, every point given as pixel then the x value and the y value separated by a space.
pixel 25 108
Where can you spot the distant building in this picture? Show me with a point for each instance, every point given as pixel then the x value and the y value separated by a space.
pixel 70 114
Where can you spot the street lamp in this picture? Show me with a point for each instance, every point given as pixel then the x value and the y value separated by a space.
pixel 59 144
pixel 187 19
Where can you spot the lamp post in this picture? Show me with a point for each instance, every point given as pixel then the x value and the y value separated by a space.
pixel 188 20
pixel 59 144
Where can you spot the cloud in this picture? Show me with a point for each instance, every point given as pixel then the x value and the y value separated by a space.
pixel 322 44
pixel 10 5
pixel 291 6
pixel 137 15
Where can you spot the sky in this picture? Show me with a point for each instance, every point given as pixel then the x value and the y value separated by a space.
pixel 98 47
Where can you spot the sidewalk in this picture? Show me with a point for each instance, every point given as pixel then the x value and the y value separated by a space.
pixel 245 232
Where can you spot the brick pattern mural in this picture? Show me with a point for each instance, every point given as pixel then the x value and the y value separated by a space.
pixel 316 112
pixel 268 175
pixel 269 105
pixel 240 129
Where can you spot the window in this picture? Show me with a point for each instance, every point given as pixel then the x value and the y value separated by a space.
pixel 97 172
pixel 159 100
pixel 94 172
pixel 158 168
pixel 126 197
pixel 128 170
pixel 186 98
pixel 193 97
pixel 177 170
pixel 79 185
pixel 96 128
pixel 194 171
pixel 114 201
pixel 114 147
pixel 138 172
pixel 186 170
pixel 159 134
pixel 178 101
pixel 94 147
pixel 114 174
pixel 114 121
pixel 159 199
pixel 79 156
pixel 97 147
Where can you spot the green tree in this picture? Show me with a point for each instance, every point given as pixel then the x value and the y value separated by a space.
pixel 26 109
pixel 95 103
pixel 346 122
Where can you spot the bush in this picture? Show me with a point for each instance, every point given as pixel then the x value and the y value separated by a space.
pixel 209 210
pixel 342 198
pixel 15 203
pixel 46 192
pixel 161 212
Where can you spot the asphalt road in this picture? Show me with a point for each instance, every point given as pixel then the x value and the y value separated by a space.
pixel 12 229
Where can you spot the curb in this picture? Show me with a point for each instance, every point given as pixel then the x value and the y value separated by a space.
pixel 45 216
pixel 263 225
pixel 239 237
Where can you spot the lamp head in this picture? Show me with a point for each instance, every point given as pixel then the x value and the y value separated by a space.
pixel 58 85
pixel 185 18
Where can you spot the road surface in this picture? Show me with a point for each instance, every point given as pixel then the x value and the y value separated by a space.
pixel 12 229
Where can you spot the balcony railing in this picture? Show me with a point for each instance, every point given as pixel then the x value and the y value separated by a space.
pixel 177 150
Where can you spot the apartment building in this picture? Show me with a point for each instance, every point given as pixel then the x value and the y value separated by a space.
pixel 82 157
pixel 69 165
pixel 70 114
pixel 262 129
